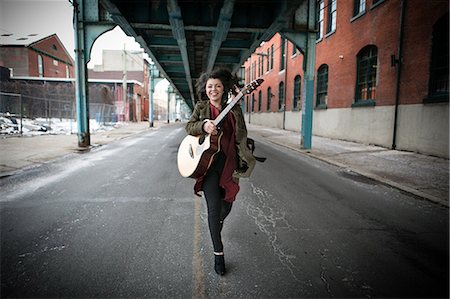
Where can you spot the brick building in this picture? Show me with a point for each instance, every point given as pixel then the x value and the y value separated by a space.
pixel 115 65
pixel 42 63
pixel 46 57
pixel 381 75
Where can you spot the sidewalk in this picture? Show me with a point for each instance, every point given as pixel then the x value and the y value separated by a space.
pixel 21 152
pixel 421 175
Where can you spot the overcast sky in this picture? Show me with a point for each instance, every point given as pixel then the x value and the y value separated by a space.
pixel 44 18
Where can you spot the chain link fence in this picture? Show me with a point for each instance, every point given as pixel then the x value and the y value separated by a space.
pixel 22 113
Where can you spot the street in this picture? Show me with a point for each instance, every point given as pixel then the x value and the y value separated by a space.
pixel 119 221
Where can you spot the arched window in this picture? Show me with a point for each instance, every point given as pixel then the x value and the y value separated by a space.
pixel 322 86
pixel 269 98
pixel 280 95
pixel 259 100
pixel 297 92
pixel 366 78
pixel 438 86
pixel 40 66
pixel 252 104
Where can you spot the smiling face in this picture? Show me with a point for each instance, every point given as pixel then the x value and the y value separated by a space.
pixel 214 91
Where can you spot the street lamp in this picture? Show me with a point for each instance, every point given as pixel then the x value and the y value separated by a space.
pixel 169 92
pixel 154 79
pixel 153 70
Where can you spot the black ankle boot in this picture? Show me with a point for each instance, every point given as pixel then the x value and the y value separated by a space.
pixel 219 264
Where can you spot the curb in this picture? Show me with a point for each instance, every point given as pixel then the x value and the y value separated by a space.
pixel 379 179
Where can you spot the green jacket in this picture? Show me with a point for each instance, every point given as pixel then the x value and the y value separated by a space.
pixel 246 159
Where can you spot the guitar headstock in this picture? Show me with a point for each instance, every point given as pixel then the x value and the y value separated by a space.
pixel 249 88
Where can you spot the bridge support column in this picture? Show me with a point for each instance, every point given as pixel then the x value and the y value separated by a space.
pixel 86 31
pixel 303 35
pixel 308 95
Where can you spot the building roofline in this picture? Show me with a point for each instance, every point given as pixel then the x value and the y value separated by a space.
pixel 59 41
pixel 73 80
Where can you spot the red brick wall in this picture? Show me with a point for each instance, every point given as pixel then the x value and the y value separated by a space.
pixel 49 44
pixel 15 58
pixel 419 20
pixel 273 77
pixel 380 26
pixel 24 60
pixel 50 69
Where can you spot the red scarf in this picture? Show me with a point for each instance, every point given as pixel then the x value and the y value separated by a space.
pixel 228 147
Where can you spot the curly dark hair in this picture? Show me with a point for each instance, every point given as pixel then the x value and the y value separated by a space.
pixel 225 76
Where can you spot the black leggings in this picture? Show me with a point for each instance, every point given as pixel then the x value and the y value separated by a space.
pixel 218 209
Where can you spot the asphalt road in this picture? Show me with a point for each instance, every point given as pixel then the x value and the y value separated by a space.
pixel 119 221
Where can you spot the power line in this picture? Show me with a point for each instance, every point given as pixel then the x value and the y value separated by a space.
pixel 129 54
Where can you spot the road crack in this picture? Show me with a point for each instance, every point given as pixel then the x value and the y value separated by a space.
pixel 270 220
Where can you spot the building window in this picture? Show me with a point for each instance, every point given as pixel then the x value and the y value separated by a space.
pixel 331 22
pixel 54 47
pixel 438 86
pixel 271 57
pixel 252 104
pixel 283 54
pixel 268 59
pixel 269 98
pixel 259 100
pixel 248 103
pixel 280 96
pixel 366 78
pixel 40 66
pixel 359 7
pixel 241 75
pixel 297 92
pixel 320 16
pixel 261 66
pixel 322 86
pixel 253 70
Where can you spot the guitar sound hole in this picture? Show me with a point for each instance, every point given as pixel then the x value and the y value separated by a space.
pixel 201 139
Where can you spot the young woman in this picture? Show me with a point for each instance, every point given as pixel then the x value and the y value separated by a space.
pixel 220 184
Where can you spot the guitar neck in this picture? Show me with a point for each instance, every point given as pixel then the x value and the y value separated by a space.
pixel 228 108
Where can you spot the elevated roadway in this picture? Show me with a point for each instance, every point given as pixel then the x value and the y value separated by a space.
pixel 186 37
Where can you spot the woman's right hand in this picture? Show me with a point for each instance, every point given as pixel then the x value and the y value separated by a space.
pixel 209 127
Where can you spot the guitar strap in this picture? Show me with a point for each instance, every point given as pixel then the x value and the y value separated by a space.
pixel 250 142
pixel 251 146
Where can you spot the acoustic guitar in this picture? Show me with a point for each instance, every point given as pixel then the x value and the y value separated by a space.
pixel 196 153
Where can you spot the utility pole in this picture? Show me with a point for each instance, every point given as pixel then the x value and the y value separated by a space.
pixel 124 78
pixel 152 90
pixel 155 78
pixel 169 92
pixel 285 81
